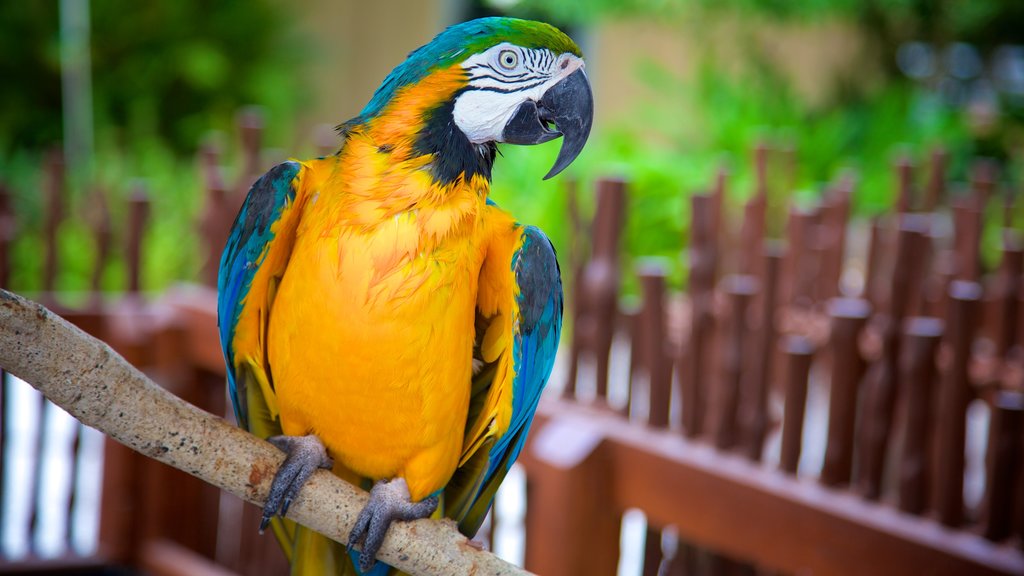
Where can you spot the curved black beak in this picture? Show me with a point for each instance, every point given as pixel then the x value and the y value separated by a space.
pixel 569 105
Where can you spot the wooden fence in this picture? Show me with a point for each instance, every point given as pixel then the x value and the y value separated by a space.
pixel 712 381
pixel 900 359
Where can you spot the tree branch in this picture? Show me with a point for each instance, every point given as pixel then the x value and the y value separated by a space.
pixel 96 385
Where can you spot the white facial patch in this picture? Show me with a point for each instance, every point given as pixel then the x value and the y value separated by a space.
pixel 500 79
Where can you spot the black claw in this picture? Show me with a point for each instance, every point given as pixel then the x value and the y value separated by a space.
pixel 264 523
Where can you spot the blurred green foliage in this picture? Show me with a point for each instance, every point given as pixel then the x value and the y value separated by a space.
pixel 165 73
pixel 673 144
pixel 164 69
pixel 171 243
pixel 982 22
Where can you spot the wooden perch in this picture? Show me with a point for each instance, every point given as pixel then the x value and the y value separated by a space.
pixel 96 385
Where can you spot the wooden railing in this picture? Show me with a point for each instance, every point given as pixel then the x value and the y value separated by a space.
pixel 901 360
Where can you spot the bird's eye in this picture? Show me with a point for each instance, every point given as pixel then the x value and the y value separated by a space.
pixel 508 59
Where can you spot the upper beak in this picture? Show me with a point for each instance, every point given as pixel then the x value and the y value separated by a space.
pixel 569 105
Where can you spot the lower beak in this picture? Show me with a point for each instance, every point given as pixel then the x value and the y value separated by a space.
pixel 569 105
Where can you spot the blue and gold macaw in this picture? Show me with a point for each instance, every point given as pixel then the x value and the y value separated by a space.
pixel 379 315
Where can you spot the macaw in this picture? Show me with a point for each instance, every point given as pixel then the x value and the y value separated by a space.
pixel 379 315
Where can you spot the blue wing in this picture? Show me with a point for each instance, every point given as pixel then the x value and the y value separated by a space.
pixel 535 344
pixel 253 249
pixel 537 312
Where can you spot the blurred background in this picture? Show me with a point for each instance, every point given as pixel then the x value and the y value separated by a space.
pixel 878 145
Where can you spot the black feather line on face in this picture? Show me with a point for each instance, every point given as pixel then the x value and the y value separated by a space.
pixel 454 156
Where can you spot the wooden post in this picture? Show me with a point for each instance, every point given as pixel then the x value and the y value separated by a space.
pixel 808 268
pixel 801 266
pixel 883 380
pixel 577 260
pixel 104 235
pixel 754 213
pixel 635 322
pixel 954 394
pixel 752 233
pixel 848 318
pixel 694 372
pixel 138 214
pixel 790 163
pixel 740 289
pixel 250 128
pixel 601 277
pixel 215 221
pixel 570 513
pixel 799 352
pixel 967 222
pixel 719 230
pixel 652 275
pixel 753 402
pixel 1008 285
pixel 923 336
pixel 904 184
pixel 874 267
pixel 936 190
pixel 1003 464
pixel 832 233
pixel 984 175
pixel 919 267
pixel 659 377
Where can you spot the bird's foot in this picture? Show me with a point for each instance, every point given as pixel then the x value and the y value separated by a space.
pixel 305 455
pixel 389 501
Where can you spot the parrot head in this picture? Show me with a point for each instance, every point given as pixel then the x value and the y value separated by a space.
pixel 484 82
